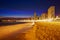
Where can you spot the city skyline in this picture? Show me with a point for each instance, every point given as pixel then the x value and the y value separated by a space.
pixel 27 8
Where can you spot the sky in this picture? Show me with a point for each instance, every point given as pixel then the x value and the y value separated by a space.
pixel 18 8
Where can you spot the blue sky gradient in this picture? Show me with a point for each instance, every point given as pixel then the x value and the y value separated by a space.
pixel 26 7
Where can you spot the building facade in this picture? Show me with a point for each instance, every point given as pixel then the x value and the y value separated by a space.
pixel 43 16
pixel 35 16
pixel 51 12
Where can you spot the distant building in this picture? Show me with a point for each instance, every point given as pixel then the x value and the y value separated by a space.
pixel 35 16
pixel 43 16
pixel 51 12
pixel 46 15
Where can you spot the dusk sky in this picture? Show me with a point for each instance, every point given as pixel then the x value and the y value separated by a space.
pixel 26 7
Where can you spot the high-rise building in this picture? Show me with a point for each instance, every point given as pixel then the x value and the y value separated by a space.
pixel 51 12
pixel 43 16
pixel 35 16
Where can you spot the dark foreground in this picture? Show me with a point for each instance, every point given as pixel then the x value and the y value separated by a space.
pixel 11 23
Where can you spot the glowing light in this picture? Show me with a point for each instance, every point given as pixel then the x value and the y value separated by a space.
pixel 43 20
pixel 33 23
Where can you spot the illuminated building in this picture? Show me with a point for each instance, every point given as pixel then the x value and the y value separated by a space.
pixel 35 16
pixel 51 12
pixel 43 16
pixel 46 15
